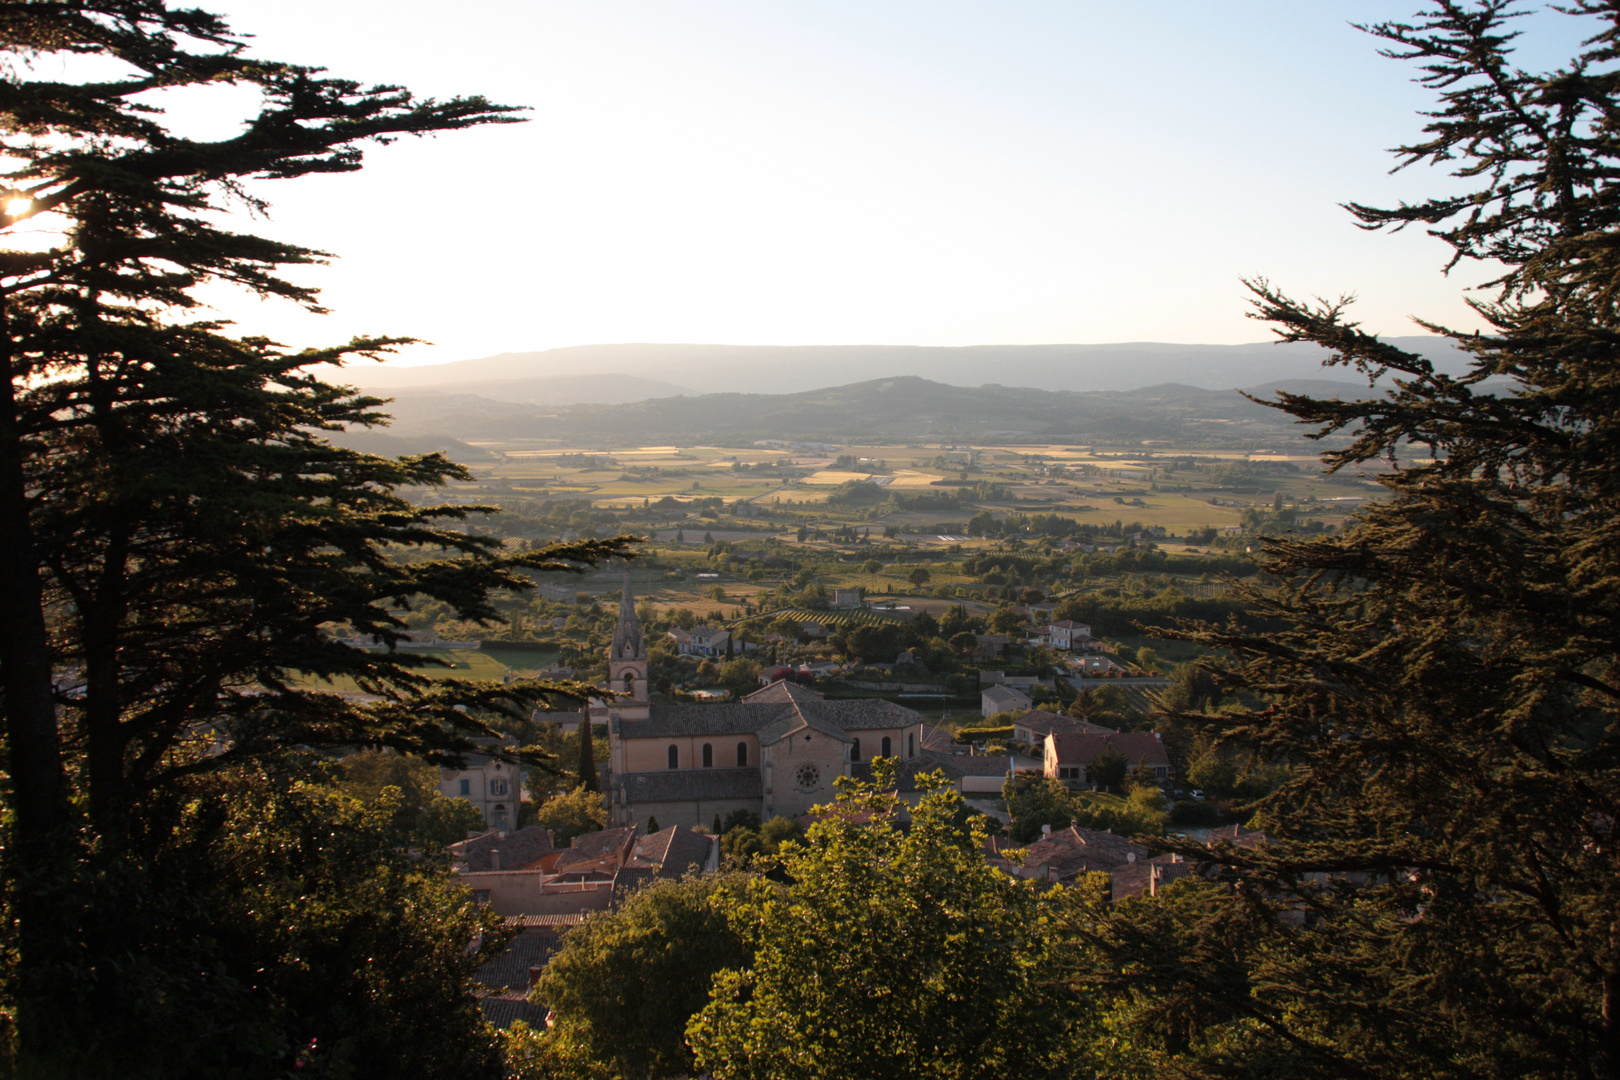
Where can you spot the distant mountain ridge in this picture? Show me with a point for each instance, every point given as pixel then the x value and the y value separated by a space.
pixel 608 374
pixel 901 408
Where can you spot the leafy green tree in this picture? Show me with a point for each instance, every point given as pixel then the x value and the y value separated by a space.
pixel 778 831
pixel 740 844
pixel 365 774
pixel 1441 676
pixel 890 954
pixel 1034 801
pixel 443 821
pixel 919 576
pixel 572 814
pixel 173 524
pixel 1004 620
pixel 626 984
pixel 740 673
pixel 874 643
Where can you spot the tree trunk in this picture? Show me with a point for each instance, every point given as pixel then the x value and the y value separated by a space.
pixel 33 745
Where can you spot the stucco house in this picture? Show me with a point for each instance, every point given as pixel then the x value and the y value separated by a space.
pixel 1067 634
pixel 777 751
pixel 708 641
pixel 495 787
pixel 1000 699
pixel 1069 755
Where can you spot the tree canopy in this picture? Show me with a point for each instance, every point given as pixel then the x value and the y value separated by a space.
pixel 1442 676
pixel 181 548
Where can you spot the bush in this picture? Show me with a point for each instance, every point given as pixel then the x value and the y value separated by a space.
pixel 984 734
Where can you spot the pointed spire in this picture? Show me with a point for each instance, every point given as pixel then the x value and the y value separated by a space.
pixel 628 643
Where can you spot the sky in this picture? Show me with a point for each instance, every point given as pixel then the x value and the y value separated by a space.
pixel 891 172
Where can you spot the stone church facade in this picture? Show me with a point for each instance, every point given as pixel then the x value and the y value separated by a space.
pixel 775 752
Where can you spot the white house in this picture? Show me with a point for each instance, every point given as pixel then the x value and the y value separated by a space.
pixel 1067 634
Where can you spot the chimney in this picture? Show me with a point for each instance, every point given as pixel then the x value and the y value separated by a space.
pixel 534 976
pixel 1130 856
pixel 494 858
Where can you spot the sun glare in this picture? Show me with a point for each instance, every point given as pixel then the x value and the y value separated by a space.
pixel 17 207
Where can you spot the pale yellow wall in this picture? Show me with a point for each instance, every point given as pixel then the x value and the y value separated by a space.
pixel 783 794
pixel 652 755
pixel 872 741
pixel 479 795
pixel 690 814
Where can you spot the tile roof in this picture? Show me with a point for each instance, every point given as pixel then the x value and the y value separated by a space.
pixel 1074 845
pixel 863 714
pixel 510 970
pixel 771 713
pixel 717 718
pixel 503 1012
pixel 519 850
pixel 676 850
pixel 685 785
pixel 557 922
pixel 592 847
pixel 784 693
pixel 629 879
pixel 1145 877
pixel 1045 723
pixel 1133 746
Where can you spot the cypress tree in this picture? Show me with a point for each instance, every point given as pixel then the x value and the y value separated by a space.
pixel 588 777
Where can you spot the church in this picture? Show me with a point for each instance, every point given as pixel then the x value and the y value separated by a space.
pixel 775 752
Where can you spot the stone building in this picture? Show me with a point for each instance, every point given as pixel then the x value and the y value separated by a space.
pixel 775 752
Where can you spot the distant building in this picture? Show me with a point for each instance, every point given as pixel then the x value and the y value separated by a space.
pixel 777 751
pixel 495 787
pixel 1069 756
pixel 847 598
pixel 1001 699
pixel 707 641
pixel 1067 634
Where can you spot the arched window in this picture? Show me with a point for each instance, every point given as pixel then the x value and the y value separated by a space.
pixel 855 750
pixel 674 758
pixel 888 747
pixel 708 756
pixel 630 682
pixel 742 755
pixel 911 744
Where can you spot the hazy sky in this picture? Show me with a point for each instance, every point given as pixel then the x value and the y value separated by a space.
pixel 776 172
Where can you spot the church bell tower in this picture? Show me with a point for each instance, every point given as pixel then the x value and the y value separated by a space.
pixel 627 661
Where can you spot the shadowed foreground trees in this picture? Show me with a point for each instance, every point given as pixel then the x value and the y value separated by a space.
pixel 178 539
pixel 1444 678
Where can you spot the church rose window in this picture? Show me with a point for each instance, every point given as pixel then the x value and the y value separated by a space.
pixel 808 776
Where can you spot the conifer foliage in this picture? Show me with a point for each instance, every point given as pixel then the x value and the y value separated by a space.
pixel 1445 691
pixel 176 535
